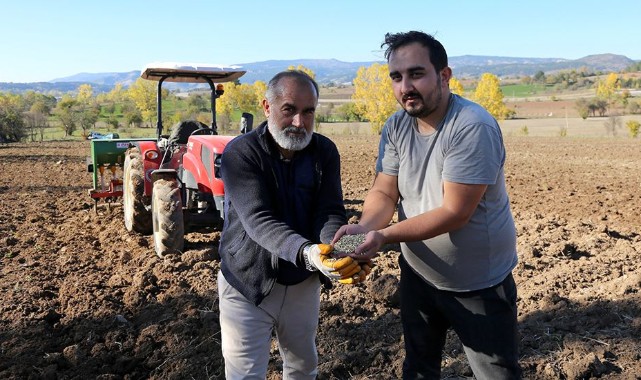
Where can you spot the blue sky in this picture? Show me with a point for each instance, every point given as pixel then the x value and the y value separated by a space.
pixel 42 40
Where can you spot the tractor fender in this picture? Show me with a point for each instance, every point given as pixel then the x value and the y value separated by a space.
pixel 152 158
pixel 167 174
pixel 195 174
pixel 203 159
pixel 189 180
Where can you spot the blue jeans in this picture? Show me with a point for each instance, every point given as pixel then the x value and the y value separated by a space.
pixel 484 320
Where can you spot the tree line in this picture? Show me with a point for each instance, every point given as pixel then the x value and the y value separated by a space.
pixel 27 116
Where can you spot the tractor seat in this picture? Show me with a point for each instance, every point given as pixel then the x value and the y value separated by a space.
pixel 181 131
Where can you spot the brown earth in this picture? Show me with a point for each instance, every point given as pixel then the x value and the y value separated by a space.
pixel 81 298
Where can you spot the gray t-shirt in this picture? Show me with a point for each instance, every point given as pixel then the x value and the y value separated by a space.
pixel 469 149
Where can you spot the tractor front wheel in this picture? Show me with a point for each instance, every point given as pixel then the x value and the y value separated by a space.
pixel 167 216
pixel 135 203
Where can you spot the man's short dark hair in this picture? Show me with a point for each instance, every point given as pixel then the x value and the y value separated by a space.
pixel 273 87
pixel 438 55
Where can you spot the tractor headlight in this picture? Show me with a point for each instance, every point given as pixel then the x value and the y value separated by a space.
pixel 151 155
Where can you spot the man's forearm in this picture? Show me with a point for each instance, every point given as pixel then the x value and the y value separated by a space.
pixel 378 210
pixel 422 227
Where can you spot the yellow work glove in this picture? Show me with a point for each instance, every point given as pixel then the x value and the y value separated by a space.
pixel 357 278
pixel 318 257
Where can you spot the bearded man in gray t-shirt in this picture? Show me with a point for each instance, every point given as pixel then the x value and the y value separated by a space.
pixel 440 165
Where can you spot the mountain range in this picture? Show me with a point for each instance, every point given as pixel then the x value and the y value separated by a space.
pixel 329 71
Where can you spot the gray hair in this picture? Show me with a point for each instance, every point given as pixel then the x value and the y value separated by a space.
pixel 275 88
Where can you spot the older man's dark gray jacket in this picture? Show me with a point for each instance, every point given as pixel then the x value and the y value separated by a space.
pixel 274 207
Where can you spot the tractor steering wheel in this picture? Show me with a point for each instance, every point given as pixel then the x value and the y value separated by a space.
pixel 205 131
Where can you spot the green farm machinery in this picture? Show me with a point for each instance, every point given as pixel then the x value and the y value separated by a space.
pixel 106 165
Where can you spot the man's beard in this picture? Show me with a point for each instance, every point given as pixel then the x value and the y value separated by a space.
pixel 290 138
pixel 427 105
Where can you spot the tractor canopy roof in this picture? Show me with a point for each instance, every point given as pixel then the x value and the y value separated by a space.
pixel 191 72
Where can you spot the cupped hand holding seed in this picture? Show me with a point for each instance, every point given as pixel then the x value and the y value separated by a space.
pixel 348 229
pixel 355 241
pixel 345 246
pixel 370 246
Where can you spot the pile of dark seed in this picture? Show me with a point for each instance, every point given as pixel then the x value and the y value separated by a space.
pixel 348 243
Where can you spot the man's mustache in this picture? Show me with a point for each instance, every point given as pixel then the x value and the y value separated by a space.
pixel 411 94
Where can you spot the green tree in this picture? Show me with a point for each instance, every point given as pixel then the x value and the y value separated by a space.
pixel 37 119
pixel 87 108
pixel 539 77
pixel 373 95
pixel 35 125
pixel 488 93
pixel 12 123
pixel 583 108
pixel 109 102
pixel 68 113
pixel 46 102
pixel 198 102
pixel 348 112
pixel 112 121
pixel 133 118
pixel 87 116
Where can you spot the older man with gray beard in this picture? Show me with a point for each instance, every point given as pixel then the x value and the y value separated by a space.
pixel 283 199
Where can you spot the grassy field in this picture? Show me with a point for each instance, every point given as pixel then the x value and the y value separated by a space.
pixel 523 90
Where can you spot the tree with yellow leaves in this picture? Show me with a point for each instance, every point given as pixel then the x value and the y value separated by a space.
pixel 143 93
pixel 86 108
pixel 456 87
pixel 488 93
pixel 117 94
pixel 304 69
pixel 85 93
pixel 260 88
pixel 606 89
pixel 373 95
pixel 241 97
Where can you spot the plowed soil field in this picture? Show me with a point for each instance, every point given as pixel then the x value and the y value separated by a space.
pixel 81 298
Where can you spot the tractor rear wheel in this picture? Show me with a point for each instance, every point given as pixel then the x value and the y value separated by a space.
pixel 136 206
pixel 167 216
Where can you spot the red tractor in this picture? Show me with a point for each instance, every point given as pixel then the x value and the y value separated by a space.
pixel 173 182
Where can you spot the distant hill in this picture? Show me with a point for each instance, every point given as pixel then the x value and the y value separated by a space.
pixel 474 66
pixel 53 88
pixel 326 70
pixel 109 79
pixel 334 71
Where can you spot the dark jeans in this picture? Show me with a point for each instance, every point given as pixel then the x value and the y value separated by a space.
pixel 484 320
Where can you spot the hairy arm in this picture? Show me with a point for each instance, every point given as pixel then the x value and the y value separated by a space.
pixel 459 203
pixel 380 202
